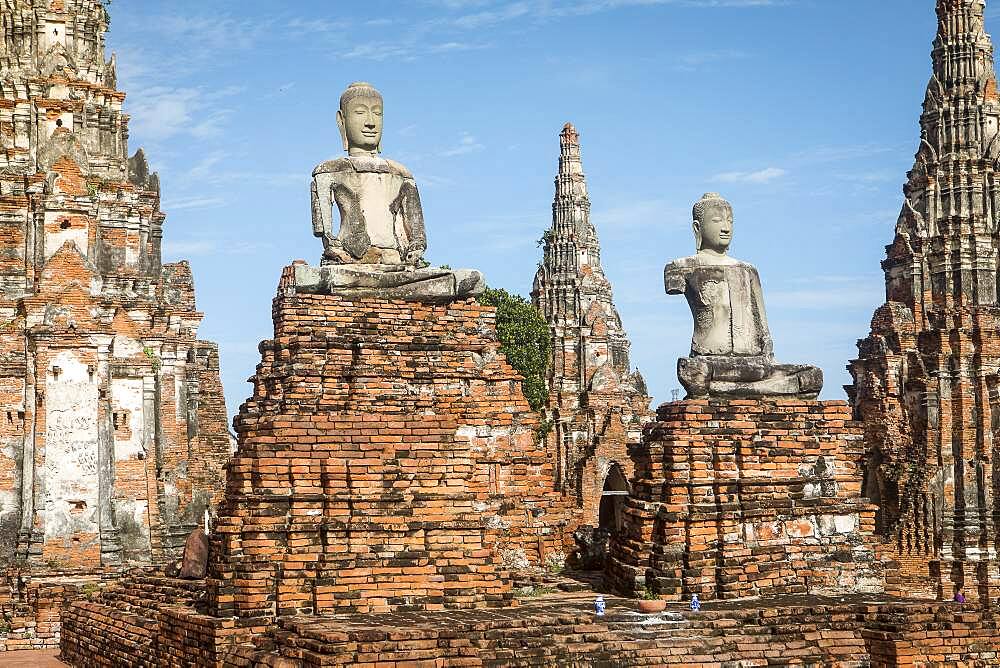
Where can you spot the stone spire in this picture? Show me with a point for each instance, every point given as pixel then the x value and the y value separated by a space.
pixel 589 376
pixel 926 382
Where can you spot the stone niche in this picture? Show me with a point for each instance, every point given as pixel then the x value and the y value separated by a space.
pixel 743 498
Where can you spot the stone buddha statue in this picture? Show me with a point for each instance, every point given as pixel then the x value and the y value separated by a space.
pixel 731 350
pixel 378 247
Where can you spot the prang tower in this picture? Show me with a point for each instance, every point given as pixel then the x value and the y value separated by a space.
pixel 596 403
pixel 112 422
pixel 927 380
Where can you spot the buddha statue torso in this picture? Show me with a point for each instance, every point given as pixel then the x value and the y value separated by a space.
pixel 381 219
pixel 724 297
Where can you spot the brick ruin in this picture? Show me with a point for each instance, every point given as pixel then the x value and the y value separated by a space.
pixel 927 378
pixel 748 498
pixel 386 453
pixel 113 427
pixel 597 404
pixel 387 457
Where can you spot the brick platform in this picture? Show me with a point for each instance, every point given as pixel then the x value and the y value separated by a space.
pixel 386 451
pixel 33 600
pixel 747 498
pixel 555 630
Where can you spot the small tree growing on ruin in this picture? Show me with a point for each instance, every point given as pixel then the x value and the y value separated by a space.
pixel 524 339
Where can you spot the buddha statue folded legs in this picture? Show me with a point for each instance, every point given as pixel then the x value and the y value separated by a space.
pixel 731 349
pixel 747 377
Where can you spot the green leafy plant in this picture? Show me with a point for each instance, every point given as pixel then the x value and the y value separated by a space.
pixel 648 594
pixel 545 428
pixel 524 340
pixel 535 592
pixel 153 357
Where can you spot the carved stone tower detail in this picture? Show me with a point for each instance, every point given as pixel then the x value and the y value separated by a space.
pixel 927 381
pixel 596 403
pixel 112 422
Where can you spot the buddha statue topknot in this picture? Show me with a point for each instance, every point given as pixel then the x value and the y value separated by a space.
pixel 732 354
pixel 379 245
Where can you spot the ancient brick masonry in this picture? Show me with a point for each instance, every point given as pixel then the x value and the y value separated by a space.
pixel 112 420
pixel 384 447
pixel 596 402
pixel 927 378
pixel 743 498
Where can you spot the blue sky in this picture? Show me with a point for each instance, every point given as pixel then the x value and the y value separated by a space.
pixel 802 112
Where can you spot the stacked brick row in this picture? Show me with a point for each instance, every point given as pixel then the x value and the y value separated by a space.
pixel 737 498
pixel 818 633
pixel 927 378
pixel 385 448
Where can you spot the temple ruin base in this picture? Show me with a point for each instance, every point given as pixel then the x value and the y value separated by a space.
pixel 747 498
pixel 141 628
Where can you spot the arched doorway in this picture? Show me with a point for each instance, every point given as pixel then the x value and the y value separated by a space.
pixel 613 499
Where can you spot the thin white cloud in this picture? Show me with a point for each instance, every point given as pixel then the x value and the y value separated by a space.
pixel 760 176
pixel 194 203
pixel 467 144
pixel 823 292
pixel 160 113
pixel 193 247
pixel 505 12
pixel 693 62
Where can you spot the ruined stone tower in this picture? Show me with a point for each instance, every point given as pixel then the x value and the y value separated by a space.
pixel 596 403
pixel 927 381
pixel 112 422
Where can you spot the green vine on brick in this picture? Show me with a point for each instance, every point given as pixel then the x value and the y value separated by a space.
pixel 524 340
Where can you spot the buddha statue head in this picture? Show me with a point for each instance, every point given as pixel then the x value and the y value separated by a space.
pixel 360 119
pixel 713 224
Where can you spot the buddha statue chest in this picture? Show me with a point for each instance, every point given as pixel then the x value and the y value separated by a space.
pixel 375 193
pixel 727 316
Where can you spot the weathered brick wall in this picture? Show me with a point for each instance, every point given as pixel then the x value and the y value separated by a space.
pixel 747 498
pixel 100 365
pixel 386 451
pixel 31 603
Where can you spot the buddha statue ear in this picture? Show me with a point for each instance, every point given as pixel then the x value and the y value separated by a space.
pixel 341 123
pixel 696 226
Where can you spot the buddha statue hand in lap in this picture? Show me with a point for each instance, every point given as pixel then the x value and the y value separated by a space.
pixel 732 351
pixel 379 245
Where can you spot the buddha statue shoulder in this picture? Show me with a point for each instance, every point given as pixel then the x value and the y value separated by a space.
pixel 732 353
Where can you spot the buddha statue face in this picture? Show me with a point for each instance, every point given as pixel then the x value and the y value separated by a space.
pixel 360 119
pixel 713 224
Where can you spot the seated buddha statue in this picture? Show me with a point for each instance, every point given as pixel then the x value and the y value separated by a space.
pixel 732 354
pixel 378 246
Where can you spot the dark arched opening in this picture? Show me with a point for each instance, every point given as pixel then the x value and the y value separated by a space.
pixel 613 499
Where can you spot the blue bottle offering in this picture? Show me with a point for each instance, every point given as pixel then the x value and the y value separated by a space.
pixel 599 606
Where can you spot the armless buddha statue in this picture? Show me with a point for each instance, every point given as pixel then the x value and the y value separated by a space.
pixel 732 353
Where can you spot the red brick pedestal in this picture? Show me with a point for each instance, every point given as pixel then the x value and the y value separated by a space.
pixel 366 460
pixel 747 498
